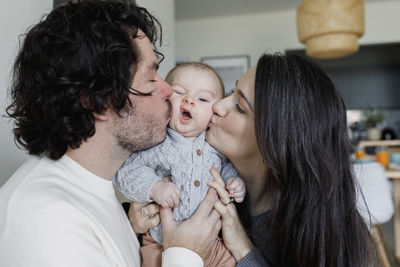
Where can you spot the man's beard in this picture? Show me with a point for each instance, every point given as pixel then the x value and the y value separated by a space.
pixel 135 132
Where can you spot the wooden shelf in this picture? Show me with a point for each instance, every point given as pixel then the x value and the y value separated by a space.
pixel 391 174
pixel 379 143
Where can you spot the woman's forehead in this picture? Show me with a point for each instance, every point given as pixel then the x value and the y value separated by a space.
pixel 246 84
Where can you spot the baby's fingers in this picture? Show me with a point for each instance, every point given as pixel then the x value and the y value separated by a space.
pixel 238 199
pixel 177 192
pixel 233 184
pixel 176 199
pixel 168 203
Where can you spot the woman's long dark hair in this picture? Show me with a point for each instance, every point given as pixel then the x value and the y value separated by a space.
pixel 302 135
pixel 81 52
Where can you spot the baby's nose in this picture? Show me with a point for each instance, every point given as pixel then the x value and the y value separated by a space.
pixel 188 100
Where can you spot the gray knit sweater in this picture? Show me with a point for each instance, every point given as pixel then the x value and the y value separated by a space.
pixel 187 161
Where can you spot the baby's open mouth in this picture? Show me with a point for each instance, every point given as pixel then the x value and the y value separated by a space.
pixel 186 115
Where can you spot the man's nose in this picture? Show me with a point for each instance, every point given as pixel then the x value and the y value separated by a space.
pixel 165 89
pixel 188 100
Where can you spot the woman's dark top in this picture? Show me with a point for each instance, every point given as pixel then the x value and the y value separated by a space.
pixel 263 253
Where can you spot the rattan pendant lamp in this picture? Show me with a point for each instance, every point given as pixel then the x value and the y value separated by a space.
pixel 330 28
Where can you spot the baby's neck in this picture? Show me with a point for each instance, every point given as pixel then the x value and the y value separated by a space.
pixel 191 137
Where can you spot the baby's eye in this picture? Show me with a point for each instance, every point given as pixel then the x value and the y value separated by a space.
pixel 178 92
pixel 202 99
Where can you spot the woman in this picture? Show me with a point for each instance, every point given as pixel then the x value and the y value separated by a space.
pixel 284 129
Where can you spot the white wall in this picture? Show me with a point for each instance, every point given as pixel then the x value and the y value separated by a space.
pixel 269 32
pixel 15 18
pixel 164 11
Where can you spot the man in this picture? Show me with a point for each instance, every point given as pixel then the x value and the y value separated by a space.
pixel 85 95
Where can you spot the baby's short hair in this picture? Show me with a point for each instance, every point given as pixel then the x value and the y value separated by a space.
pixel 170 76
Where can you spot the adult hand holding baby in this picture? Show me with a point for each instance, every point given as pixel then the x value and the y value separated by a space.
pixel 198 233
pixel 143 216
pixel 233 233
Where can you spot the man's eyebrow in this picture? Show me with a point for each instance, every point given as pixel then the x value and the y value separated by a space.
pixel 245 98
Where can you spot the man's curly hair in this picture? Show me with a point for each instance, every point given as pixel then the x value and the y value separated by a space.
pixel 81 52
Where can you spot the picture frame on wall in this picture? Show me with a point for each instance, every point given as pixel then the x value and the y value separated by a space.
pixel 57 3
pixel 230 68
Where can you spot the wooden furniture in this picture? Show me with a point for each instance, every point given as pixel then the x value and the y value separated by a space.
pixel 395 176
pixel 385 258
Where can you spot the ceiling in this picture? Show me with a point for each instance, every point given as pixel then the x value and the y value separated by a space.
pixel 193 9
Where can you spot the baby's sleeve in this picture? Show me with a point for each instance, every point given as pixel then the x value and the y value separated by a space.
pixel 137 176
pixel 227 169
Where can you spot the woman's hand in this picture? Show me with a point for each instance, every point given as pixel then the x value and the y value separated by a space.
pixel 143 216
pixel 233 233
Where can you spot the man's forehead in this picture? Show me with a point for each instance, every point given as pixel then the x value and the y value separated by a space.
pixel 147 55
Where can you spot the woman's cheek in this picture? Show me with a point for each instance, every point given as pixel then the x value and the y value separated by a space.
pixel 233 126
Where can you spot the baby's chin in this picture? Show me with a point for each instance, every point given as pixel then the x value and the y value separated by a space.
pixel 171 125
pixel 191 134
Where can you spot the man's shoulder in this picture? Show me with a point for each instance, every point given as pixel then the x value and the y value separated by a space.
pixel 36 188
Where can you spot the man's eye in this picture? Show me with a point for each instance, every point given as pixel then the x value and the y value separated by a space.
pixel 239 109
pixel 203 99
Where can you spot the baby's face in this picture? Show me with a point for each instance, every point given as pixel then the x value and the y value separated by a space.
pixel 195 90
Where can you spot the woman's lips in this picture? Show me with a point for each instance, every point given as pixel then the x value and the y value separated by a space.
pixel 211 122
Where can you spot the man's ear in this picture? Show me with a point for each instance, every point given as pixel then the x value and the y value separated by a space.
pixel 87 104
pixel 101 116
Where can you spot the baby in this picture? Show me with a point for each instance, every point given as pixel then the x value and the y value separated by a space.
pixel 185 156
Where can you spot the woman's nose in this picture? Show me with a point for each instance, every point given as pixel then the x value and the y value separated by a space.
pixel 188 100
pixel 220 108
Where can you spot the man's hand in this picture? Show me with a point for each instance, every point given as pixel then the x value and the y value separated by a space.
pixel 143 216
pixel 198 233
pixel 165 193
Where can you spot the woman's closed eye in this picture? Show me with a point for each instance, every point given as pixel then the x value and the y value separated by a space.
pixel 239 109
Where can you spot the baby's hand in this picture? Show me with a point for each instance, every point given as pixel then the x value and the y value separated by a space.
pixel 165 193
pixel 236 188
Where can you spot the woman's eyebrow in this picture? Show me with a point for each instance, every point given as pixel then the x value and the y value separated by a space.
pixel 245 98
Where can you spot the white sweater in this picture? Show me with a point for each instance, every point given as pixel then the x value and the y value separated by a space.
pixel 57 213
